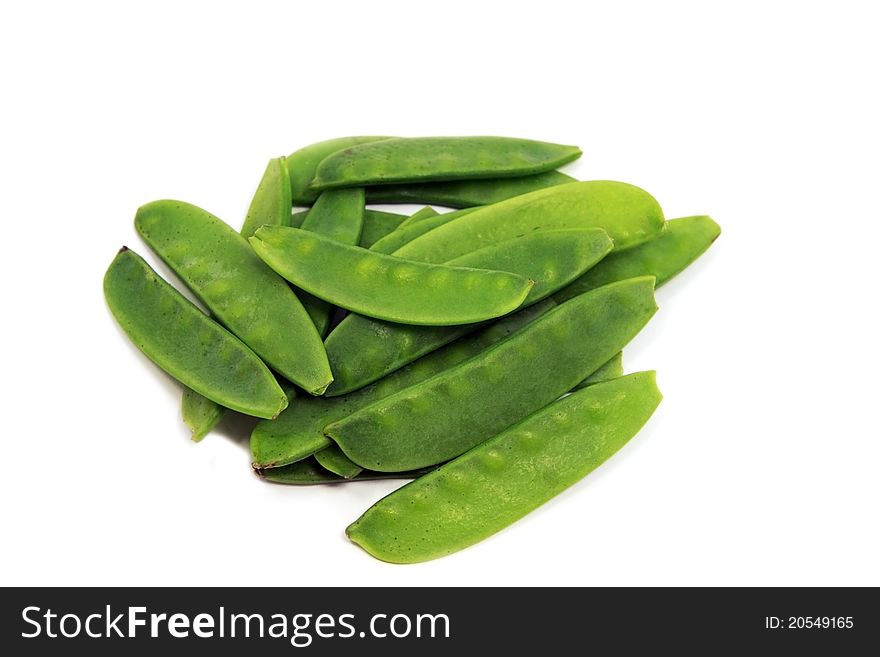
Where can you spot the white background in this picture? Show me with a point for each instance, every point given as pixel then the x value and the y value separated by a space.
pixel 761 465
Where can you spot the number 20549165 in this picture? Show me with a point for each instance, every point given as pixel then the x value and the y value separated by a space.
pixel 808 622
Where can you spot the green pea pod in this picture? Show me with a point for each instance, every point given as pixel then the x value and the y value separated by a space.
pixel 337 215
pixel 669 253
pixel 466 193
pixel 243 293
pixel 424 159
pixel 440 418
pixel 308 473
pixel 417 216
pixel 185 342
pixel 378 224
pixel 628 214
pixel 298 432
pixel 613 369
pixel 270 205
pixel 362 349
pixel 393 241
pixel 387 287
pixel 500 481
pixel 333 459
pixel 301 165
pixel 271 202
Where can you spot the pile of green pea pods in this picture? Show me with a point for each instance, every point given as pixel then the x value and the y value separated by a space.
pixel 476 351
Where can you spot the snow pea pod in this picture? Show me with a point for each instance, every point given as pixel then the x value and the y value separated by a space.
pixel 440 418
pixel 338 214
pixel 422 159
pixel 240 290
pixel 406 234
pixel 497 483
pixel 683 241
pixel 613 369
pixel 387 287
pixel 271 202
pixel 186 343
pixel 628 214
pixel 465 193
pixel 378 224
pixel 301 165
pixel 270 205
pixel 334 459
pixel 298 432
pixel 308 472
pixel 362 349
pixel 417 216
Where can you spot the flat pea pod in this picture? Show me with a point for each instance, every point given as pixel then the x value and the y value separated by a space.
pixel 417 216
pixel 628 214
pixel 200 414
pixel 387 287
pixel 271 202
pixel 362 349
pixel 406 234
pixel 466 193
pixel 301 164
pixel 298 432
pixel 669 253
pixel 422 159
pixel 450 413
pixel 338 215
pixel 308 473
pixel 334 459
pixel 613 369
pixel 270 205
pixel 243 293
pixel 186 343
pixel 378 224
pixel 500 481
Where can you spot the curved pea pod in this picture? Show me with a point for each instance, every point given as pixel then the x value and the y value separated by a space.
pixel 334 459
pixel 308 473
pixel 199 413
pixel 448 414
pixel 271 202
pixel 439 158
pixel 241 291
pixel 613 369
pixel 378 224
pixel 298 432
pixel 387 287
pixel 683 241
pixel 185 342
pixel 406 234
pixel 425 213
pixel 628 214
pixel 337 215
pixel 301 164
pixel 362 349
pixel 466 193
pixel 497 483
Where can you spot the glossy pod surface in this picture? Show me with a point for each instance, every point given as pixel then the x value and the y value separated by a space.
pixel 185 342
pixel 440 418
pixel 387 287
pixel 439 158
pixel 301 165
pixel 511 474
pixel 378 224
pixel 240 290
pixel 362 349
pixel 683 241
pixel 628 214
pixel 406 234
pixel 337 215
pixel 466 193
pixel 271 202
pixel 298 431
pixel 308 473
